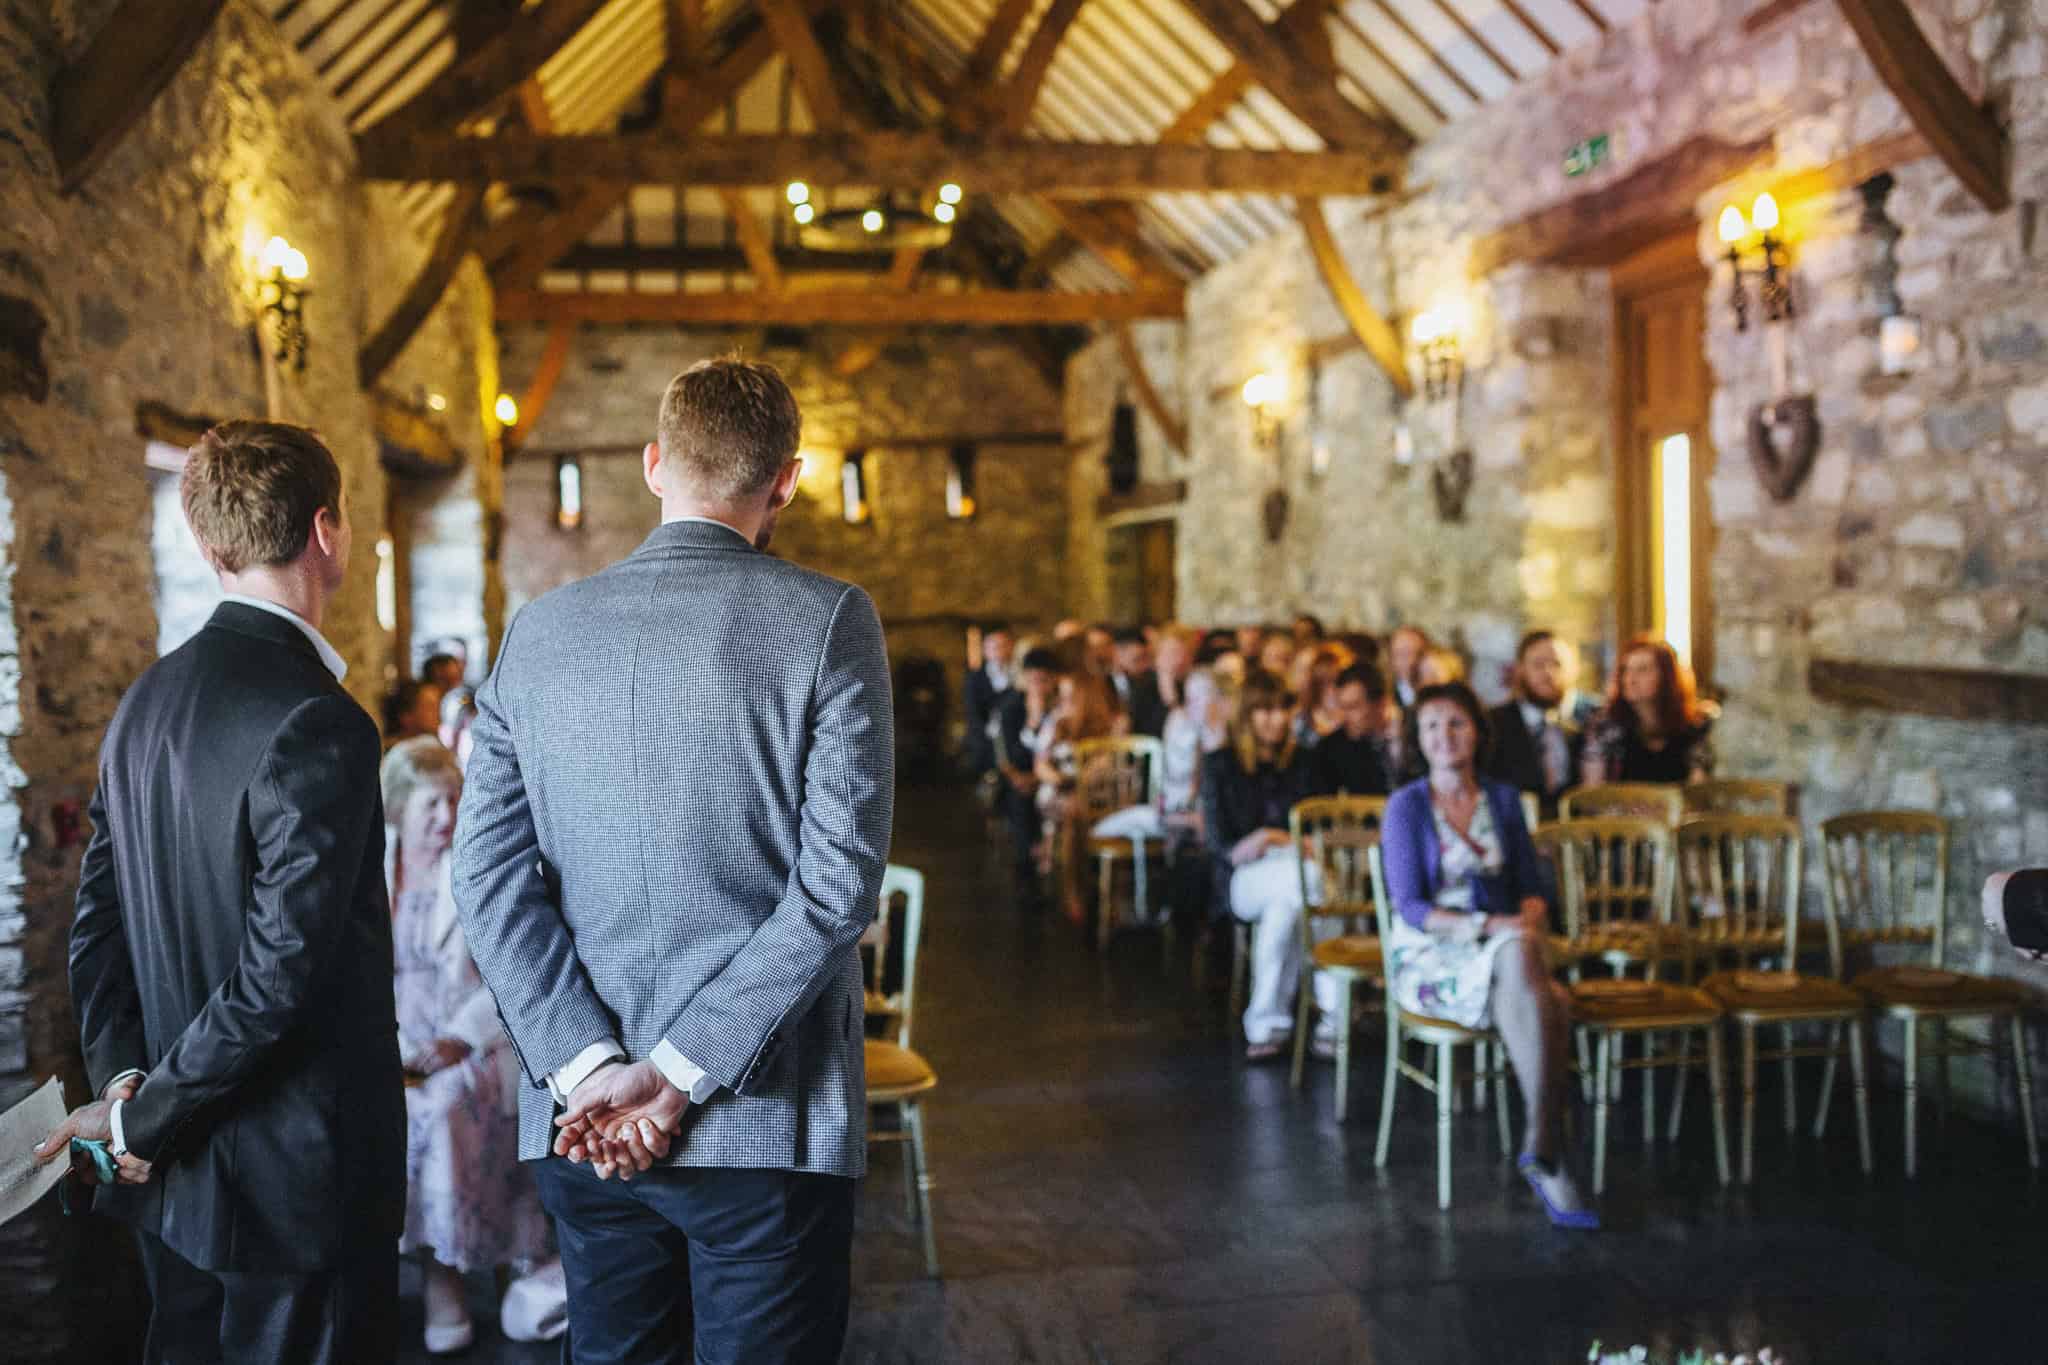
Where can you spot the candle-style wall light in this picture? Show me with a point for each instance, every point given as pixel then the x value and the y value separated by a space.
pixel 1773 271
pixel 281 293
pixel 1784 429
pixel 1262 394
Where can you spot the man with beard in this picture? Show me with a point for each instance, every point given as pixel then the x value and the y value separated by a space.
pixel 1535 747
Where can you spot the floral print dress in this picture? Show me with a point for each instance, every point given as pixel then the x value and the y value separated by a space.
pixel 1437 976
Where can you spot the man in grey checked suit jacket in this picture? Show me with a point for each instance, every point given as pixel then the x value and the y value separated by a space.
pixel 672 835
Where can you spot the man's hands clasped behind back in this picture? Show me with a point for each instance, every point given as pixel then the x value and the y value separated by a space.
pixel 94 1122
pixel 621 1119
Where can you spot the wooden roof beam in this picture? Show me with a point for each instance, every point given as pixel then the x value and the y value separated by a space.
pixel 858 307
pixel 1381 341
pixel 458 233
pixel 494 70
pixel 995 165
pixel 1170 426
pixel 1285 63
pixel 1963 132
pixel 790 22
pixel 98 98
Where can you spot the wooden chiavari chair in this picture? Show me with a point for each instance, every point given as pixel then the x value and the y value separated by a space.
pixel 1339 929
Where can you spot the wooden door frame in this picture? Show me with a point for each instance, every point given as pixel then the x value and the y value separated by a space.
pixel 1670 262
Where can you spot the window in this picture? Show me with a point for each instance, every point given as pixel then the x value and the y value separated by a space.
pixel 568 493
pixel 387 585
pixel 960 483
pixel 853 487
pixel 187 590
pixel 1674 487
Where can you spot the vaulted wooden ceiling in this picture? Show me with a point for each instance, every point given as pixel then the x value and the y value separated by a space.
pixel 1111 149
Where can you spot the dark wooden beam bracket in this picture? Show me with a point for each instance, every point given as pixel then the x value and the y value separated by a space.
pixel 1963 132
pixel 98 98
pixel 1968 694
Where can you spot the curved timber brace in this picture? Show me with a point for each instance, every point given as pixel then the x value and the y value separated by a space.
pixel 1175 430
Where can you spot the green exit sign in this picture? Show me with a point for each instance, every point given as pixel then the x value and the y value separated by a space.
pixel 1584 156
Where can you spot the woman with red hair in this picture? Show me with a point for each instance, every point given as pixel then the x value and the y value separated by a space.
pixel 1654 728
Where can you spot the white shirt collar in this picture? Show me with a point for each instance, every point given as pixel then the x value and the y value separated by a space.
pixel 329 656
pixel 712 521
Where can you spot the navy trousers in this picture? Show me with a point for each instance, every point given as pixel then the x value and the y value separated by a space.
pixel 344 1316
pixel 715 1266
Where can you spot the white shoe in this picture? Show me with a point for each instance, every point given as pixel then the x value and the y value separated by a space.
pixel 536 1305
pixel 446 1338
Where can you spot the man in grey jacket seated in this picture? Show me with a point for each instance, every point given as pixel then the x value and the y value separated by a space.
pixel 2016 909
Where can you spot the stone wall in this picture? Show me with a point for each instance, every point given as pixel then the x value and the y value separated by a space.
pixel 929 575
pixel 139 288
pixel 1918 538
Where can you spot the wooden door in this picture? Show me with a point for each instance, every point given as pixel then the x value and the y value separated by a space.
pixel 1156 572
pixel 1664 546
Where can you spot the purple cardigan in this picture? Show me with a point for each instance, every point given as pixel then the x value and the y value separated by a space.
pixel 1414 862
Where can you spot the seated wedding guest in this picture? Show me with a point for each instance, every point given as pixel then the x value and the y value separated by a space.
pixel 1352 760
pixel 1405 648
pixel 1068 629
pixel 1467 941
pixel 1276 655
pixel 990 651
pixel 412 710
pixel 469 1204
pixel 2015 907
pixel 1173 660
pixel 1365 649
pixel 1247 790
pixel 1137 688
pixel 444 670
pixel 1250 640
pixel 458 713
pixel 1318 669
pixel 1023 727
pixel 1098 652
pixel 1307 631
pixel 1654 727
pixel 1534 746
pixel 1439 665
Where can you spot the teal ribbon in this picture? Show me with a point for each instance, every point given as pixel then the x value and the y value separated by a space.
pixel 102 1158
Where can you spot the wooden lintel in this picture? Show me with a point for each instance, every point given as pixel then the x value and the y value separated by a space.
pixel 1146 497
pixel 458 230
pixel 1170 426
pixel 492 71
pixel 1963 132
pixel 1764 16
pixel 1606 225
pixel 1374 332
pixel 95 100
pixel 156 421
pixel 533 403
pixel 1968 694
pixel 411 443
pixel 977 307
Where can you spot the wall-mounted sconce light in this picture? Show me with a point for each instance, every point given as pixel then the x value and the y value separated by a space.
pixel 1437 343
pixel 568 493
pixel 281 293
pixel 853 487
pixel 1774 287
pixel 1262 394
pixel 960 483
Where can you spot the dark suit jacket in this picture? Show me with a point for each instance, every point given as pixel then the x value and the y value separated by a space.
pixel 1146 707
pixel 1513 756
pixel 233 939
pixel 981 701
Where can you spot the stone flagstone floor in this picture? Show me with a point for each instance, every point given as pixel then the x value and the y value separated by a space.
pixel 1116 1187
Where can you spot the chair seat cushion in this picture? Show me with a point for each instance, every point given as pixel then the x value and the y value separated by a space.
pixel 1710 932
pixel 1787 995
pixel 1641 1004
pixel 1413 1023
pixel 1359 953
pixel 1934 991
pixel 1628 940
pixel 897 1068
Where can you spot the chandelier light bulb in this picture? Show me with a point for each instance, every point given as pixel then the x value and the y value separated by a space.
pixel 943 212
pixel 804 213
pixel 949 193
pixel 799 192
pixel 872 220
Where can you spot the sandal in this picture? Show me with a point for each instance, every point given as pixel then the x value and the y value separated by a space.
pixel 1533 1170
pixel 1265 1052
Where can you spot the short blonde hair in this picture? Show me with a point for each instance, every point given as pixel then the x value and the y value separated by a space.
pixel 414 763
pixel 251 492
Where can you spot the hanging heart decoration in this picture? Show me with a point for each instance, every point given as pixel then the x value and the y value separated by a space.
pixel 1784 436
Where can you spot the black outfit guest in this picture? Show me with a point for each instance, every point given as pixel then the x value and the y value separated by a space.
pixel 233 946
pixel 1653 728
pixel 1532 749
pixel 1632 758
pixel 1138 694
pixel 1235 802
pixel 986 690
pixel 1344 766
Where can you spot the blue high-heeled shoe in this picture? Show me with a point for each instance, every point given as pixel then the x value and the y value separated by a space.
pixel 1583 1220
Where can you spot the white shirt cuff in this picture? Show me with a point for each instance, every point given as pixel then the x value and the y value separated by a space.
pixel 110 1085
pixel 563 1083
pixel 119 1146
pixel 682 1073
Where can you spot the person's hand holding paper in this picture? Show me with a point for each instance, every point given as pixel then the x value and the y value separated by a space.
pixel 94 1123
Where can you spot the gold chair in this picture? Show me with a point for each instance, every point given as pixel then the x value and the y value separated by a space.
pixel 899 1077
pixel 1532 811
pixel 1740 878
pixel 1446 1037
pixel 1616 877
pixel 1113 775
pixel 1656 800
pixel 1337 833
pixel 1786 997
pixel 1887 887
pixel 1737 796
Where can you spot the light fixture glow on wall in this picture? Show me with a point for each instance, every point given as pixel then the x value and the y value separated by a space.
pixel 1436 334
pixel 1774 283
pixel 960 483
pixel 853 487
pixel 506 410
pixel 281 292
pixel 1262 394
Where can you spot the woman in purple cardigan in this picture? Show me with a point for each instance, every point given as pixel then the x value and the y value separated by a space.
pixel 1469 924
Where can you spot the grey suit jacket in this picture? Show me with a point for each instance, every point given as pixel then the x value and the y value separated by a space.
pixel 674 827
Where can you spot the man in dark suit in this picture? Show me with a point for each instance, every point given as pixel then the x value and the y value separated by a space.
pixel 669 912
pixel 1535 748
pixel 231 956
pixel 1352 760
pixel 1137 687
pixel 988 684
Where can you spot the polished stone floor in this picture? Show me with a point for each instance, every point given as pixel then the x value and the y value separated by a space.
pixel 1116 1186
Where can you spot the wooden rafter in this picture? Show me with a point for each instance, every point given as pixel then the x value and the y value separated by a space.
pixel 755 242
pixel 458 229
pixel 1170 426
pixel 1963 133
pixel 1477 39
pixel 722 260
pixel 1528 21
pixel 1374 332
pixel 1399 72
pixel 790 22
pixel 1283 62
pixel 554 358
pixel 1436 58
pixel 494 70
pixel 1194 122
pixel 1766 15
pixel 994 165
pixel 989 49
pixel 98 98
pixel 857 307
pixel 1012 103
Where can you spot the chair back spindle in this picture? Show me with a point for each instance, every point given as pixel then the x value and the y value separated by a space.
pixel 1116 774
pixel 1651 800
pixel 1887 880
pixel 1741 878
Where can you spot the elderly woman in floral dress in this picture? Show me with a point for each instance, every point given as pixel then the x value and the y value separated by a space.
pixel 469 1206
